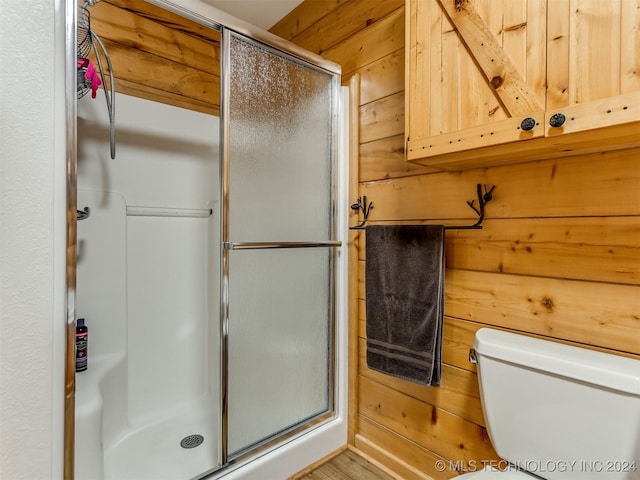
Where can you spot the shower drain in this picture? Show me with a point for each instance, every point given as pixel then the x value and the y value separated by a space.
pixel 192 441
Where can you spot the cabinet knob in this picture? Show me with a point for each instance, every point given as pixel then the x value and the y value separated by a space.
pixel 528 124
pixel 557 120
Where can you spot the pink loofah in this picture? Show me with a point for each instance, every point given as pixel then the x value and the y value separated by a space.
pixel 94 77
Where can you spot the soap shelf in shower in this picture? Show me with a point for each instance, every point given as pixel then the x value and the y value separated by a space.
pixel 133 211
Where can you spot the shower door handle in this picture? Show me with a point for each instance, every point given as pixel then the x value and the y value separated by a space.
pixel 265 245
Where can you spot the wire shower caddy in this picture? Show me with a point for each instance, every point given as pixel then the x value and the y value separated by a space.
pixel 88 42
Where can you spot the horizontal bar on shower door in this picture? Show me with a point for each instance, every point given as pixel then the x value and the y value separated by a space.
pixel 265 245
pixel 168 212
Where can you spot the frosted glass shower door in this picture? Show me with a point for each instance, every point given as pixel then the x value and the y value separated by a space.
pixel 279 118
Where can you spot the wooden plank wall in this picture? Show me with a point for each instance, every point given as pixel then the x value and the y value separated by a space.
pixel 158 55
pixel 559 256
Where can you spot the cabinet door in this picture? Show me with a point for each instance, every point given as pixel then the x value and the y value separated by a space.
pixel 494 82
pixel 593 72
pixel 476 71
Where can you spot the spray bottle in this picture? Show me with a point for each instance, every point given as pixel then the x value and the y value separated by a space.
pixel 82 342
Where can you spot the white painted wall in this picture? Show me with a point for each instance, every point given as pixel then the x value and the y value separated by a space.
pixel 32 238
pixel 258 12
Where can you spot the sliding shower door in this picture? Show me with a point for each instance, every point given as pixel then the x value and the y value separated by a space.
pixel 279 121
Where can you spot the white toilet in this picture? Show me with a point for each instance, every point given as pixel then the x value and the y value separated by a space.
pixel 555 411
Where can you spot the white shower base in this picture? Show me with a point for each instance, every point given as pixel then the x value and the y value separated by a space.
pixel 109 449
pixel 154 452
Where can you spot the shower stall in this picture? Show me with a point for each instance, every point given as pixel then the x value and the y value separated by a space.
pixel 211 271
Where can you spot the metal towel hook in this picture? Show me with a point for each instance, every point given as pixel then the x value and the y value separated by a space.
pixel 483 199
pixel 362 205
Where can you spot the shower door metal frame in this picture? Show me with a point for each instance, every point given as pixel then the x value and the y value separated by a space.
pixel 68 461
pixel 224 23
pixel 228 246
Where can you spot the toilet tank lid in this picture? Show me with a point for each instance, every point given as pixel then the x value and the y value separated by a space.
pixel 612 371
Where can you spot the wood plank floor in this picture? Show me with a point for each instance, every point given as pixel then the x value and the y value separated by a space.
pixel 346 466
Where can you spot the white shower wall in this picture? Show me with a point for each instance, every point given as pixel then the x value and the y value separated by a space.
pixel 148 285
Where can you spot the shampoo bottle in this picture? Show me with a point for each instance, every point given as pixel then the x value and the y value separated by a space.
pixel 82 341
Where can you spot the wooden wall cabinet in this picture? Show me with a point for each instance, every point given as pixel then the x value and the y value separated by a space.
pixel 490 83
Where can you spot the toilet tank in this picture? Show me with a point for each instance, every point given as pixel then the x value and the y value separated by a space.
pixel 558 411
